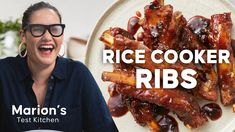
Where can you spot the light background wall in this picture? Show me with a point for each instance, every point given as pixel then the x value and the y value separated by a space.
pixel 233 1
pixel 79 16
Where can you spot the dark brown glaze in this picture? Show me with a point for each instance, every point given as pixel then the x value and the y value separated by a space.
pixel 156 21
pixel 116 32
pixel 133 25
pixel 138 14
pixel 233 46
pixel 158 110
pixel 145 112
pixel 171 37
pixel 119 31
pixel 199 25
pixel 183 104
pixel 212 110
pixel 155 17
pixel 117 106
pixel 154 5
pixel 220 37
pixel 157 3
pixel 195 37
pixel 112 90
pixel 207 85
pixel 190 41
pixel 142 113
pixel 155 117
pixel 178 101
pixel 167 123
pixel 122 43
pixel 140 36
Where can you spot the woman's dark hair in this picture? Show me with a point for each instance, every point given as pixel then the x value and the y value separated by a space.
pixel 35 7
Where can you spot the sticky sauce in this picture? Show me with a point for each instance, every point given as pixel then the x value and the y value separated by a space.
pixel 117 106
pixel 138 14
pixel 233 46
pixel 167 123
pixel 199 26
pixel 133 25
pixel 213 111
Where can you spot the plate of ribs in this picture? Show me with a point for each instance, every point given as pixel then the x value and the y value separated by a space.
pixel 164 25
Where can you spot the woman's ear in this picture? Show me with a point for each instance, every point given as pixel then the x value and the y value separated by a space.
pixel 23 36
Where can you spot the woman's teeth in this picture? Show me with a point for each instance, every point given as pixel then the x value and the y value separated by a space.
pixel 46 48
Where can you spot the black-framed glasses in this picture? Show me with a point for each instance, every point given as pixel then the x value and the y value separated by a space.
pixel 37 30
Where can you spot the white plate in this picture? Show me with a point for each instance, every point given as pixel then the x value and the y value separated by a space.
pixel 118 15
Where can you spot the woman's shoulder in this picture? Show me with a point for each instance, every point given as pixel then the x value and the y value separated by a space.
pixel 73 65
pixel 71 62
pixel 7 65
pixel 6 62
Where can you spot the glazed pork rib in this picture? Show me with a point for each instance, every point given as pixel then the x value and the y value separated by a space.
pixel 162 30
pixel 143 113
pixel 171 37
pixel 176 100
pixel 120 42
pixel 207 82
pixel 156 21
pixel 220 37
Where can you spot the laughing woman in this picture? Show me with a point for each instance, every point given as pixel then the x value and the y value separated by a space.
pixel 39 90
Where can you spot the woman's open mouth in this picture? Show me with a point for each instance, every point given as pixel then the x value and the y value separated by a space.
pixel 46 49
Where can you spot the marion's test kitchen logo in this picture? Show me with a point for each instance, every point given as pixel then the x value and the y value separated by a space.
pixel 38 114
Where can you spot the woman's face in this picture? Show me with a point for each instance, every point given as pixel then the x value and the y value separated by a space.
pixel 42 50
